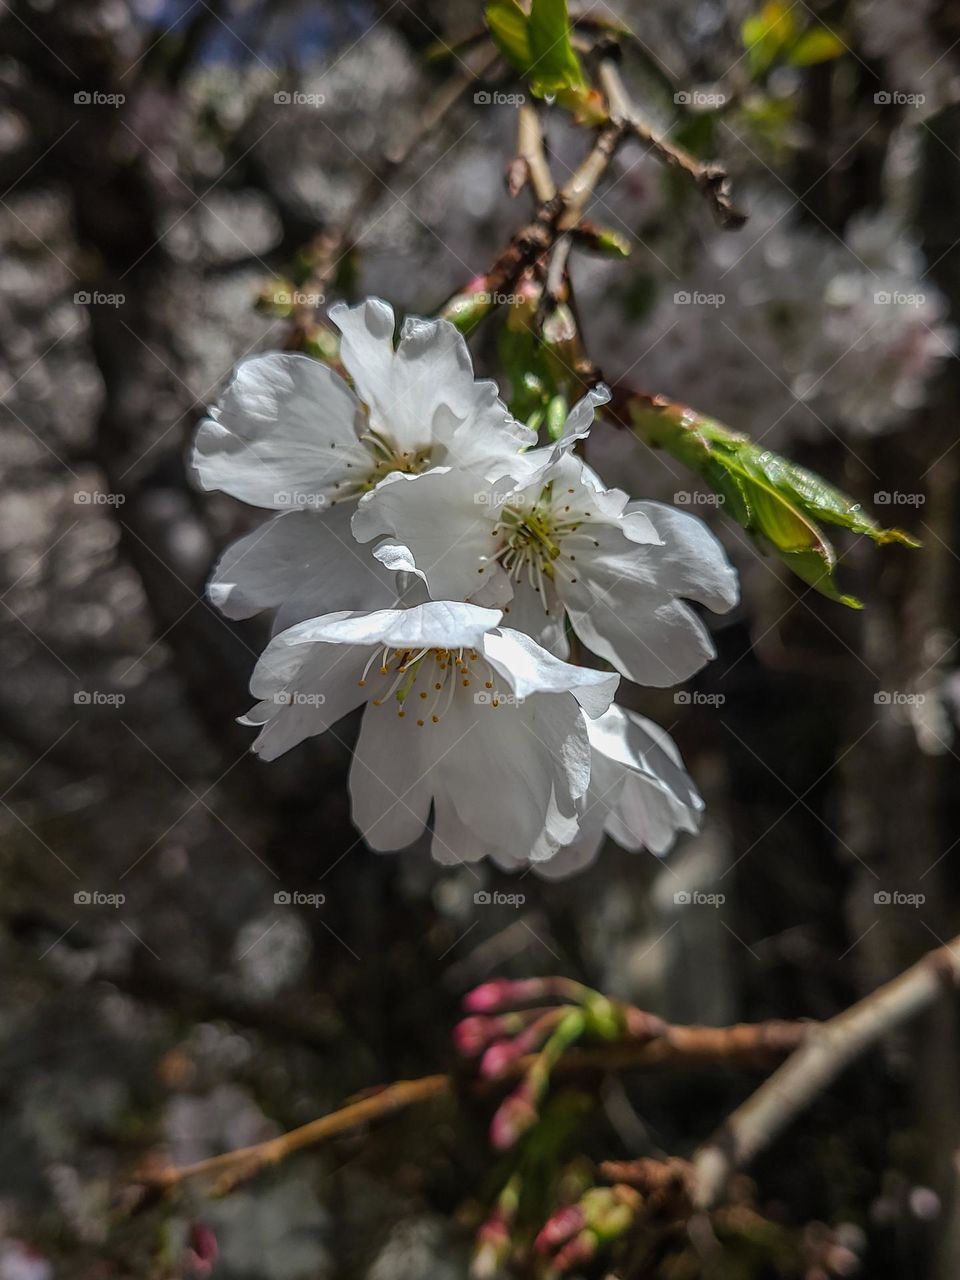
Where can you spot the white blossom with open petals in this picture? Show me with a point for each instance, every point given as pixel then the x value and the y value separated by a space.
pixel 560 545
pixel 462 714
pixel 640 793
pixel 290 435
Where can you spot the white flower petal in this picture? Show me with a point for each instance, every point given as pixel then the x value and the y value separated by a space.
pixel 537 752
pixel 560 830
pixel 578 493
pixel 304 561
pixel 423 395
pixel 304 689
pixel 441 624
pixel 656 798
pixel 576 856
pixel 397 559
pixel 640 793
pixel 692 562
pixel 580 420
pixel 282 434
pixel 366 350
pixel 438 518
pixel 390 785
pixel 548 626
pixel 528 668
pixel 454 843
pixel 623 612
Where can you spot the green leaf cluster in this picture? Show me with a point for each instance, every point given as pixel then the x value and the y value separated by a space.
pixel 778 502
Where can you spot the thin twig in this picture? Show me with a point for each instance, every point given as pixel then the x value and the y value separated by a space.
pixel 745 1045
pixel 554 216
pixel 532 151
pixel 826 1050
pixel 236 1166
pixel 710 177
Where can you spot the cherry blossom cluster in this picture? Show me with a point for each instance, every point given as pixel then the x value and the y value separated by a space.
pixel 430 562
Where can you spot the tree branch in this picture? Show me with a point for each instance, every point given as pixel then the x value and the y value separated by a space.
pixel 744 1045
pixel 826 1050
pixel 710 177
pixel 531 150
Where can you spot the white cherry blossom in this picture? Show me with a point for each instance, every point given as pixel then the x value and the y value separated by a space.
pixel 561 546
pixel 290 435
pixel 414 518
pixel 472 718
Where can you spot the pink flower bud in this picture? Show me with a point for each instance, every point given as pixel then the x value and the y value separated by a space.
pixel 492 1248
pixel 471 1035
pixel 493 995
pixel 513 1118
pixel 484 998
pixel 202 1250
pixel 557 1230
pixel 576 1253
pixel 498 1057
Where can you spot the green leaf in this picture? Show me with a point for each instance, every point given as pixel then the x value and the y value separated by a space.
pixel 508 27
pixel 538 44
pixel 765 34
pixel 819 44
pixel 554 64
pixel 779 503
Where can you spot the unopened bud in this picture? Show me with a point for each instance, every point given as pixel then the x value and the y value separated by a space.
pixel 202 1250
pixel 513 1118
pixel 467 309
pixel 603 240
pixel 494 995
pixel 471 1035
pixel 558 1229
pixel 576 1253
pixel 492 1248
pixel 498 1057
pixel 518 175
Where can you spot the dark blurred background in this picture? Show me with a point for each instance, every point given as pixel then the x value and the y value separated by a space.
pixel 164 166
